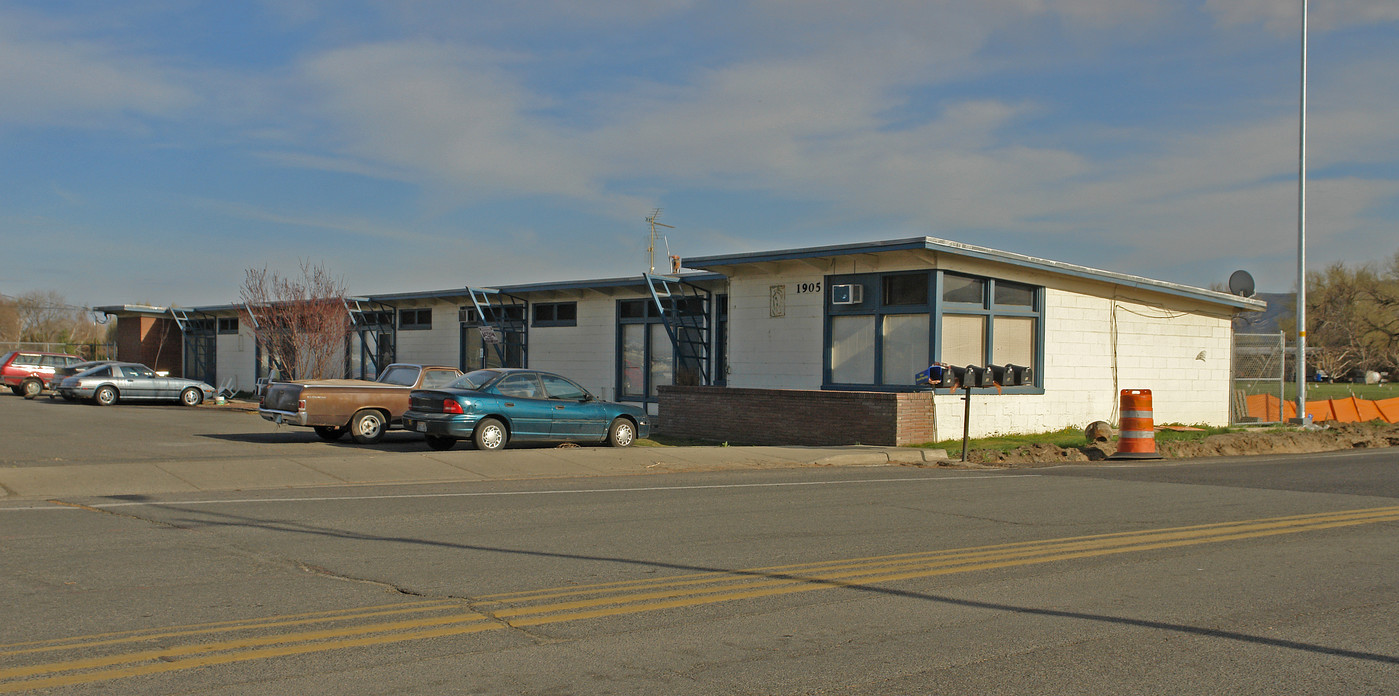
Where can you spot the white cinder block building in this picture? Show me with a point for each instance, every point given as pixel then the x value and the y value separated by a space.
pixel 808 346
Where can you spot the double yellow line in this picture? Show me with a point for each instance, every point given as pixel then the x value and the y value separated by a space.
pixel 107 656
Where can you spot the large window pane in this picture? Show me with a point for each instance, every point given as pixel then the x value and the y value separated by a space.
pixel 633 360
pixel 964 290
pixel 906 290
pixel 1015 341
pixel 852 350
pixel 632 309
pixel 661 353
pixel 963 339
pixel 905 347
pixel 1014 295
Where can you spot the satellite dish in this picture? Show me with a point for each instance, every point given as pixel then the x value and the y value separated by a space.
pixel 1241 283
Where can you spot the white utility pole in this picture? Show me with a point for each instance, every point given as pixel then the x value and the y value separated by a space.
pixel 1302 236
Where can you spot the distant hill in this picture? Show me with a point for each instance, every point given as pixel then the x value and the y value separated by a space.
pixel 1280 305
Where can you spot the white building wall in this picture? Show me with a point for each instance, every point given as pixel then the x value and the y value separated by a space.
pixel 777 352
pixel 1098 340
pixel 236 358
pixel 1085 336
pixel 439 345
pixel 586 353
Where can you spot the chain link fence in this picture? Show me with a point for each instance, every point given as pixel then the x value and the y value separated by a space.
pixel 1260 378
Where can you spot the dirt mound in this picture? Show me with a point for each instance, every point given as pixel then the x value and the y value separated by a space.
pixel 1330 437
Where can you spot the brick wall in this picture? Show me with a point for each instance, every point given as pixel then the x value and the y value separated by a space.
pixel 152 341
pixel 795 416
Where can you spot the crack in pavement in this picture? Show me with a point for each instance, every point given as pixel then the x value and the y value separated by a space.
pixel 469 603
pixel 123 515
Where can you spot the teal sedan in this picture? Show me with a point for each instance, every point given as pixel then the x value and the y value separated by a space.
pixel 498 406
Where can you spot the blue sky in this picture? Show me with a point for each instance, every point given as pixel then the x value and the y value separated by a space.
pixel 152 150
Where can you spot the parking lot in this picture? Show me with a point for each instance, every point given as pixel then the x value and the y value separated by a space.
pixel 53 448
pixel 53 432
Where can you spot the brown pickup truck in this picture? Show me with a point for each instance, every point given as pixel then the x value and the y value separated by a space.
pixel 360 407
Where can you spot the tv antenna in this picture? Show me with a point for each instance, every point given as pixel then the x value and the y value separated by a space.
pixel 651 244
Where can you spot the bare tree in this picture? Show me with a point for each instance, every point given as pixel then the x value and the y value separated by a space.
pixel 1381 316
pixel 9 320
pixel 42 316
pixel 46 317
pixel 1335 307
pixel 1353 318
pixel 301 322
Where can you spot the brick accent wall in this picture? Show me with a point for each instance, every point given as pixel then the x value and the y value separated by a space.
pixel 152 341
pixel 796 416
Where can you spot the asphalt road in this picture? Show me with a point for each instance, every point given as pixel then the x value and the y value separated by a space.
pixel 1229 576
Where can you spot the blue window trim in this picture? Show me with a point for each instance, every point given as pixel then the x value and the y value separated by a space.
pixel 414 324
pixel 534 314
pixel 649 315
pixel 936 309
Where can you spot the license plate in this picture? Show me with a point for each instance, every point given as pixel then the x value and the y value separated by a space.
pixel 421 427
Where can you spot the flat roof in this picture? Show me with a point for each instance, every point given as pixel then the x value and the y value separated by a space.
pixel 132 309
pixel 978 252
pixel 636 281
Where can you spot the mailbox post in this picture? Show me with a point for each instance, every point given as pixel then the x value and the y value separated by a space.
pixel 968 378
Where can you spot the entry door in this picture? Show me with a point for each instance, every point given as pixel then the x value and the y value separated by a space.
pixel 476 354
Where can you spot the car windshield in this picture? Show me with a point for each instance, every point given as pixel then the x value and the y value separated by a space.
pixel 402 375
pixel 474 380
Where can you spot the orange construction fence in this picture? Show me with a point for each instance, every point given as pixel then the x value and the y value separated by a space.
pixel 1349 410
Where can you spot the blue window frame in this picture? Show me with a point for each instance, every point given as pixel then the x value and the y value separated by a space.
pixel 905 321
pixel 645 355
pixel 555 314
pixel 415 319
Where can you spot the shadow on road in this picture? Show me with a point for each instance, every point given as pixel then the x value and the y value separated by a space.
pixel 205 518
pixel 392 442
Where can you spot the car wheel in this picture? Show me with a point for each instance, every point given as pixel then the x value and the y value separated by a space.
pixel 490 434
pixel 105 396
pixel 440 442
pixel 621 433
pixel 331 433
pixel 30 388
pixel 368 427
pixel 191 397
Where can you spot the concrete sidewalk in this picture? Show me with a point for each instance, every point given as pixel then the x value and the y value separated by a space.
pixel 160 477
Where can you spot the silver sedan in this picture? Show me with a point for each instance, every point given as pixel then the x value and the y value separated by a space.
pixel 105 384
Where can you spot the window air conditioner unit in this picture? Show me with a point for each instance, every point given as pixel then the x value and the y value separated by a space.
pixel 847 294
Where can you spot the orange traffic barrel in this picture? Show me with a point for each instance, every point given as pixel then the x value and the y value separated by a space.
pixel 1136 439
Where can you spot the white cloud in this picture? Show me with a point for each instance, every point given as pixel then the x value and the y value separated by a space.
pixel 445 113
pixel 1286 17
pixel 56 80
pixel 884 111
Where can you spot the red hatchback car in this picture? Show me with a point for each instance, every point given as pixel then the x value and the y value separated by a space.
pixel 28 373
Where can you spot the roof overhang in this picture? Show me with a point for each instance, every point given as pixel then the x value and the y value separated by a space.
pixel 133 310
pixel 985 254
